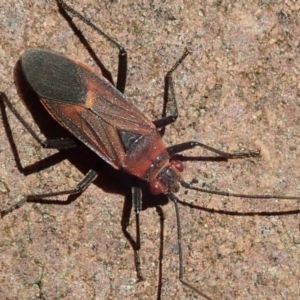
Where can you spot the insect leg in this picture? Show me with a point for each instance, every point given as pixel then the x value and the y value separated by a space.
pixel 170 99
pixel 47 143
pixel 173 111
pixel 190 145
pixel 81 186
pixel 174 199
pixel 122 67
pixel 137 203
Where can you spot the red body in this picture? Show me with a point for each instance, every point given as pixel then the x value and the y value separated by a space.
pixel 97 114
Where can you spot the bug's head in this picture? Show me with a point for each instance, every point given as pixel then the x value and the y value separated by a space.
pixel 167 180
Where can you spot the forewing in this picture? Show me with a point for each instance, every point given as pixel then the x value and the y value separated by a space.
pixel 97 114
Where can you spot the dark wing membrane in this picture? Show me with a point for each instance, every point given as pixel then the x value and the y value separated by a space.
pixel 53 76
pixel 99 120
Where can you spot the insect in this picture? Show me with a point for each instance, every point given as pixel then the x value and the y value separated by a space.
pixel 100 116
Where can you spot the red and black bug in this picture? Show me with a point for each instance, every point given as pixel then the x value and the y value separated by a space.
pixel 102 118
pixel 98 114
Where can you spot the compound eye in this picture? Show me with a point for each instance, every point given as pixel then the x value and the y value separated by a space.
pixel 177 164
pixel 155 188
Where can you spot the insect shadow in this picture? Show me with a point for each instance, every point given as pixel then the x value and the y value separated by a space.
pixel 109 180
pixel 129 131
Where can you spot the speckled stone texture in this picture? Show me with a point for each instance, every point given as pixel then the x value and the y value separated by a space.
pixel 239 89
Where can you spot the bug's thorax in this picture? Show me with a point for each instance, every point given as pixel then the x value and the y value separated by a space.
pixel 148 159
